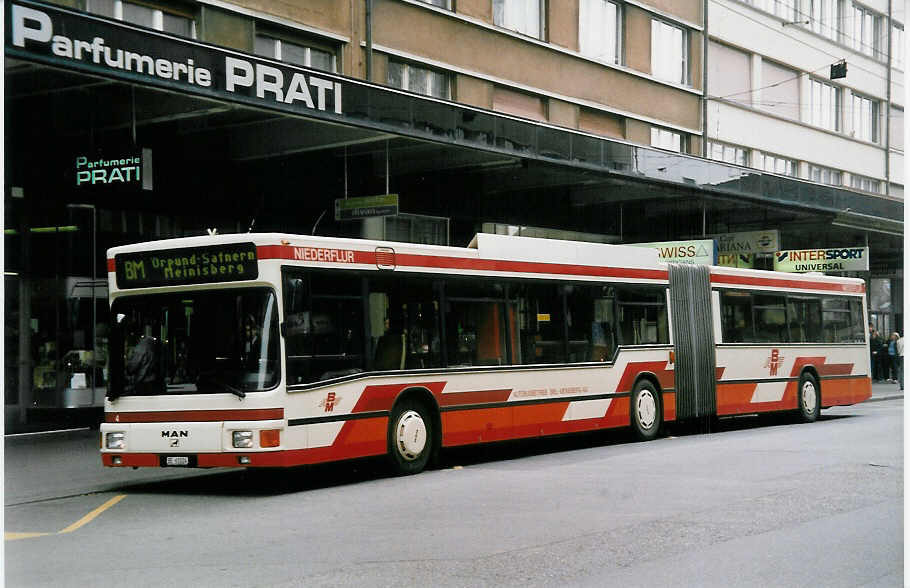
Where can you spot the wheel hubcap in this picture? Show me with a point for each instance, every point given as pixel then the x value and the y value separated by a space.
pixel 410 435
pixel 809 397
pixel 647 409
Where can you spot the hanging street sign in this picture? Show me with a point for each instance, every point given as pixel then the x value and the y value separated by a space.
pixel 366 207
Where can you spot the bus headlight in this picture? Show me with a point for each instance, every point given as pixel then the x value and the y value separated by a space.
pixel 115 440
pixel 243 439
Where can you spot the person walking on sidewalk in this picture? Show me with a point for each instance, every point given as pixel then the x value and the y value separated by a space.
pixel 891 370
pixel 897 358
pixel 875 354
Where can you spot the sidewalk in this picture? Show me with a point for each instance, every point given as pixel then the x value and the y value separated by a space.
pixel 885 391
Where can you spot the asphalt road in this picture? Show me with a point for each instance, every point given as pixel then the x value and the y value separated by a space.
pixel 762 503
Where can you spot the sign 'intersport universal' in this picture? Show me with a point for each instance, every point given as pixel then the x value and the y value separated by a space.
pixel 840 259
pixel 96 45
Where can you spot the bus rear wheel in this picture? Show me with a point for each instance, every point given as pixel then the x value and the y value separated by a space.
pixel 411 437
pixel 808 398
pixel 645 411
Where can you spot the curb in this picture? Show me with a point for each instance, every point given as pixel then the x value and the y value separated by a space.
pixel 888 397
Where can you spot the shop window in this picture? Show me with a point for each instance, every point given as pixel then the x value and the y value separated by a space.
pixel 168 20
pixel 297 53
pixel 522 16
pixel 599 30
pixel 669 52
pixel 421 80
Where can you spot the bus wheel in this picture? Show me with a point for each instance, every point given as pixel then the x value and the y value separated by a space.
pixel 808 398
pixel 410 437
pixel 645 411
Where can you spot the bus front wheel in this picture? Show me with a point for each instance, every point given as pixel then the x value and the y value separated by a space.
pixel 645 411
pixel 808 398
pixel 410 437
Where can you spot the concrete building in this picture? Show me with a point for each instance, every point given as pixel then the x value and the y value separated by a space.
pixel 582 119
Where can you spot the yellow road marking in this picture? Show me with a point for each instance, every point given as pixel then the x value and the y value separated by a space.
pixel 14 536
pixel 90 516
pixel 80 523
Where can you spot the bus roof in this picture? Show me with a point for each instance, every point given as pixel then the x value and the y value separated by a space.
pixel 519 252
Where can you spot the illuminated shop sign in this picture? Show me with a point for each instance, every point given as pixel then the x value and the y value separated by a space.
pixel 839 259
pixel 187 265
pixel 698 252
pixel 132 168
pixel 97 45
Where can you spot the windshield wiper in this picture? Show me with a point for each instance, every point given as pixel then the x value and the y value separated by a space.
pixel 233 390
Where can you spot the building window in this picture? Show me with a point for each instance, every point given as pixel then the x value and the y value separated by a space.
pixel 727 153
pixel 858 182
pixel 669 52
pixel 824 105
pixel 865 118
pixel 866 31
pixel 424 81
pixel 294 53
pixel 664 139
pixel 897 46
pixel 599 30
pixel 778 165
pixel 168 21
pixel 780 90
pixel 825 18
pixel 825 175
pixel 522 16
pixel 785 9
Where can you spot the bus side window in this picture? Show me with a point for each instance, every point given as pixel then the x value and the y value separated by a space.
pixel 642 315
pixel 736 319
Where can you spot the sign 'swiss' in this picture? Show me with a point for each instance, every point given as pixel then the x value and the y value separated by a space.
pixel 100 46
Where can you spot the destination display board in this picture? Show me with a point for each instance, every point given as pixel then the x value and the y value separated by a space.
pixel 231 262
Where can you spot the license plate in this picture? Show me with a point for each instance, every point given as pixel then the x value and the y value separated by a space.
pixel 177 460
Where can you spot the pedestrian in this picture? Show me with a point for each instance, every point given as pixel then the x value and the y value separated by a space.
pixel 875 348
pixel 896 357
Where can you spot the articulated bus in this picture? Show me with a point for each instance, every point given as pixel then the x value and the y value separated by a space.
pixel 273 350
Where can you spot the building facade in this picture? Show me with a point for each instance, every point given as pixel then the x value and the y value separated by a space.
pixel 583 119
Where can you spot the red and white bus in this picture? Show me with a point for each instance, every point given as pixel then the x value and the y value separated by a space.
pixel 280 350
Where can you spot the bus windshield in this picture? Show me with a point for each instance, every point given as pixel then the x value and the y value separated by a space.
pixel 210 341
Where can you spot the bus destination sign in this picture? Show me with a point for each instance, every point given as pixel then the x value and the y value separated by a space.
pixel 188 265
